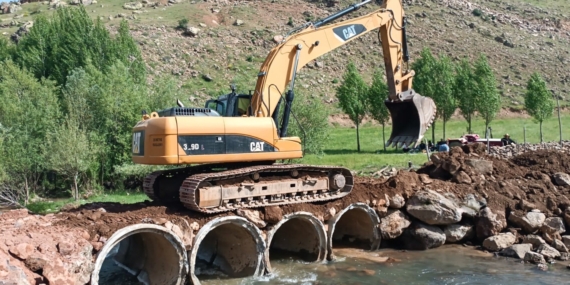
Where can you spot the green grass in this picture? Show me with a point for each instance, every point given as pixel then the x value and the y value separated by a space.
pixel 341 148
pixel 52 206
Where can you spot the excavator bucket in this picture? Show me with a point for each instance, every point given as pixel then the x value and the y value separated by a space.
pixel 411 118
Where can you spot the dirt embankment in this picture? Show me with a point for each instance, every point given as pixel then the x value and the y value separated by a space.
pixel 61 247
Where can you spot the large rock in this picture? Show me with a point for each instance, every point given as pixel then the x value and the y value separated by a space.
pixel 499 242
pixel 253 216
pixel 133 6
pixel 22 250
pixel 433 208
pixel 191 31
pixel 529 222
pixel 274 214
pixel 397 202
pixel 548 251
pixel 394 224
pixel 480 166
pixel 534 257
pixel 517 250
pixel 566 240
pixel 457 233
pixel 535 240
pixel 420 236
pixel 56 273
pixel 12 274
pixel 488 223
pixel 553 224
pixel 560 246
pixel 562 179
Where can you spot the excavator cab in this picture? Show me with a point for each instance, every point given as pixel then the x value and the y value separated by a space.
pixel 231 105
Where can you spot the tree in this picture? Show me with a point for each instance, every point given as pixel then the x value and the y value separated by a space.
pixel 464 90
pixel 538 100
pixel 71 153
pixel 28 112
pixel 444 80
pixel 376 95
pixel 312 116
pixel 488 98
pixel 352 97
pixel 424 83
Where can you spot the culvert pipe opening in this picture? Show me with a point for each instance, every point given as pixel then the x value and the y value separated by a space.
pixel 299 236
pixel 141 254
pixel 355 226
pixel 227 247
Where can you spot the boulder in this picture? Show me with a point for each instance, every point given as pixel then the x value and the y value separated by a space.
pixel 12 274
pixel 394 224
pixel 553 224
pixel 534 257
pixel 274 214
pixel 56 273
pixel 562 179
pixel 133 6
pixel 22 250
pixel 566 240
pixel 397 202
pixel 517 250
pixel 529 222
pixel 560 246
pixel 462 178
pixel 420 236
pixel 253 216
pixel 433 208
pixel 480 166
pixel 548 251
pixel 191 31
pixel 457 233
pixel 499 242
pixel 488 223
pixel 535 240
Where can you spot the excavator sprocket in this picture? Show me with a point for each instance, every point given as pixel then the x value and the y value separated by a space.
pixel 209 191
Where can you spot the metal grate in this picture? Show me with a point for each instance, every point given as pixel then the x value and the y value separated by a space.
pixel 186 111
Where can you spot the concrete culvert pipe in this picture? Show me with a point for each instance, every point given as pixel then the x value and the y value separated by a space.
pixel 300 235
pixel 227 247
pixel 141 254
pixel 356 225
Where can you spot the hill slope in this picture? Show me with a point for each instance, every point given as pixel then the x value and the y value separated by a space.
pixel 519 37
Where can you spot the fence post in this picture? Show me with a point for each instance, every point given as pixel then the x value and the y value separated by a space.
pixel 559 121
pixel 524 134
pixel 487 136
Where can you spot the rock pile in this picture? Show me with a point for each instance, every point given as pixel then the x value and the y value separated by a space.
pixel 513 150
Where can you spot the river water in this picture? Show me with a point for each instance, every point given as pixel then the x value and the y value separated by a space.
pixel 451 264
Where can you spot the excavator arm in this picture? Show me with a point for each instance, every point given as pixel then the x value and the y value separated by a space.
pixel 277 73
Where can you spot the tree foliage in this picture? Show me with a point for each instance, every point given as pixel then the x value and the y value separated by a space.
pixel 69 39
pixel 488 96
pixel 376 95
pixel 424 80
pixel 352 94
pixel 464 90
pixel 444 81
pixel 538 100
pixel 309 121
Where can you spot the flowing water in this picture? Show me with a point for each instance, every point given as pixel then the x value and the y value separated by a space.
pixel 445 265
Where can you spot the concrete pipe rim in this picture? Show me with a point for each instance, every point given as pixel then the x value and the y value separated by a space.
pixel 373 218
pixel 220 221
pixel 306 216
pixel 128 231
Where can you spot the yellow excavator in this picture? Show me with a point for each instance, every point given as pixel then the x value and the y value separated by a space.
pixel 233 144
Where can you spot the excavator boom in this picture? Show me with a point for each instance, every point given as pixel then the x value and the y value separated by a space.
pixel 411 113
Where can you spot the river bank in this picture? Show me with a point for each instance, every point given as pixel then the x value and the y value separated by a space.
pixel 508 206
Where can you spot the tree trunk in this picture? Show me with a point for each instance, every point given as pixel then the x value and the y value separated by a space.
pixel 27 188
pixel 444 128
pixel 469 123
pixel 433 132
pixel 541 140
pixel 75 190
pixel 357 137
pixel 384 137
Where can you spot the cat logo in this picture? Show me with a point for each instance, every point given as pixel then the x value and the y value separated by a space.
pixel 349 32
pixel 256 146
pixel 136 142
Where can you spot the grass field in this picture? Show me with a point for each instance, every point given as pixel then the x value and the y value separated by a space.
pixel 54 205
pixel 341 147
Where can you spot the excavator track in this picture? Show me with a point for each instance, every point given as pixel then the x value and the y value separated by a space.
pixel 194 184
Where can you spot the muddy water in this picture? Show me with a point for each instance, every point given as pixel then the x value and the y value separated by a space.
pixel 446 265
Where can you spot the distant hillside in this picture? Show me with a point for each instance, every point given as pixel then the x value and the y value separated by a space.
pixel 519 37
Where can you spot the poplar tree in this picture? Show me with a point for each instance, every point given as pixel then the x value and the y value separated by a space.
pixel 376 95
pixel 488 99
pixel 444 78
pixel 351 95
pixel 538 100
pixel 464 90
pixel 424 82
